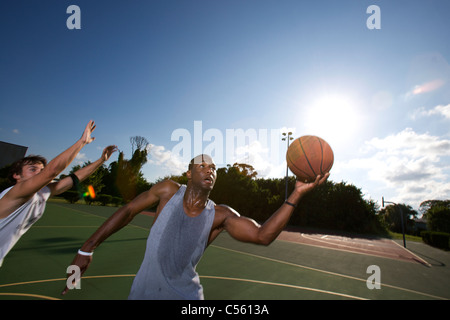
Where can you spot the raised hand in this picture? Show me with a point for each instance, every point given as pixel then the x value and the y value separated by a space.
pixel 303 187
pixel 86 138
pixel 108 151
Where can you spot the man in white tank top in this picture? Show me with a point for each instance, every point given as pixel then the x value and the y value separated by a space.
pixel 24 203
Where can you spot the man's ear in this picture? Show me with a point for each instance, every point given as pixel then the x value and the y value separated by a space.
pixel 16 177
pixel 188 174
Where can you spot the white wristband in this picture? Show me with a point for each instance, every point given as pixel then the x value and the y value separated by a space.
pixel 85 253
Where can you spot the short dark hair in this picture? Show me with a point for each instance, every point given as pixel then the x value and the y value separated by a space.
pixel 195 161
pixel 16 167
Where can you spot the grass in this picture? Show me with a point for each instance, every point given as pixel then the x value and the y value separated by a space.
pixel 408 237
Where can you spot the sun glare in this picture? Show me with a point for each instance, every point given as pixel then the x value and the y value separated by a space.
pixel 334 118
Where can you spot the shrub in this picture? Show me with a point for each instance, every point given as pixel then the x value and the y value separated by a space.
pixel 104 199
pixel 436 239
pixel 71 196
pixel 116 201
pixel 439 219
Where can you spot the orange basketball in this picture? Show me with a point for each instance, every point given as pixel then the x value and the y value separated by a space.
pixel 309 156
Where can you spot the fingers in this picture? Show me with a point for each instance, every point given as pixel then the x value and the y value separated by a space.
pixel 306 187
pixel 324 178
pixel 112 148
pixel 65 291
pixel 321 178
pixel 75 271
pixel 86 137
pixel 108 151
pixel 90 127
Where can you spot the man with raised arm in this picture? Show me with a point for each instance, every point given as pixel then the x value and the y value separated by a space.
pixel 24 203
pixel 186 222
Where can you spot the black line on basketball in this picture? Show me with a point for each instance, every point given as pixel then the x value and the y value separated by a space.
pixel 306 157
pixel 321 158
pixel 293 164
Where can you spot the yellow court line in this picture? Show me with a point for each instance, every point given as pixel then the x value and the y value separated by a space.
pixel 206 277
pixel 28 295
pixel 287 286
pixel 240 252
pixel 227 278
pixel 65 227
pixel 64 279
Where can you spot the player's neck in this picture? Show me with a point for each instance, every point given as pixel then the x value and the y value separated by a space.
pixel 195 200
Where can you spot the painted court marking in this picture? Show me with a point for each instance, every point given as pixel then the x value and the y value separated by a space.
pixel 206 277
pixel 330 273
pixel 355 245
pixel 286 286
pixel 225 278
pixel 385 248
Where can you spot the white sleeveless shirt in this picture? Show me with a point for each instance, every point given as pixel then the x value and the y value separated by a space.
pixel 174 247
pixel 17 223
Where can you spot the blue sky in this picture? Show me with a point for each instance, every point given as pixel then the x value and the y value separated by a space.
pixel 202 73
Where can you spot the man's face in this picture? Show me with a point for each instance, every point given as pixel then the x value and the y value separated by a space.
pixel 29 171
pixel 203 172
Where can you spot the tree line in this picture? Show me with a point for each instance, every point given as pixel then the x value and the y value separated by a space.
pixel 338 206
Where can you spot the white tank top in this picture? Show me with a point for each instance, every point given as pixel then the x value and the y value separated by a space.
pixel 174 247
pixel 17 223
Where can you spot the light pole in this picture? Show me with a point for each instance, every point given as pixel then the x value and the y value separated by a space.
pixel 287 137
pixel 401 217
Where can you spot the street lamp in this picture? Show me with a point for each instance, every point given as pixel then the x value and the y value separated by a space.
pixel 287 137
pixel 401 217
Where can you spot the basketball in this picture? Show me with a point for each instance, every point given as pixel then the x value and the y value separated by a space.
pixel 309 156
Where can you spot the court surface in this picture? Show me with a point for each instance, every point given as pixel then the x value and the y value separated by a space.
pixel 297 266
pixel 380 247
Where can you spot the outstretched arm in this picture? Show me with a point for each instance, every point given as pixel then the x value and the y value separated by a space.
pixel 120 219
pixel 67 183
pixel 23 191
pixel 247 230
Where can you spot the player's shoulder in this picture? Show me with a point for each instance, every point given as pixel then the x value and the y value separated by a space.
pixel 166 187
pixel 226 211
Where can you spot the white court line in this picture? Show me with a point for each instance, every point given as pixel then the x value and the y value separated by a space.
pixel 351 249
pixel 419 258
pixel 329 272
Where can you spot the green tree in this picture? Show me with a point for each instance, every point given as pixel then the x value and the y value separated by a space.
pixel 129 178
pixel 438 219
pixel 237 188
pixel 95 180
pixel 392 217
pixel 428 204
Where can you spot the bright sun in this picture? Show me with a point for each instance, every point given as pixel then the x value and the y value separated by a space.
pixel 332 117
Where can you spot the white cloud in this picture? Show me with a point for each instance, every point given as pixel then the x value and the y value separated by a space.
pixel 438 110
pixel 80 159
pixel 415 165
pixel 253 153
pixel 443 110
pixel 170 162
pixel 258 157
